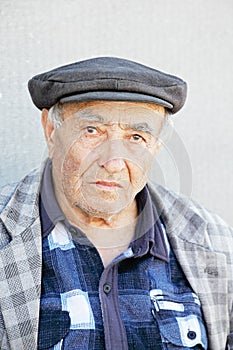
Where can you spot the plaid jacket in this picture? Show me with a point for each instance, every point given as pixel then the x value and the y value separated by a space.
pixel 202 242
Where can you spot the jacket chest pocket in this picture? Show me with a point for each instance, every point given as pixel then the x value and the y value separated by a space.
pixel 179 320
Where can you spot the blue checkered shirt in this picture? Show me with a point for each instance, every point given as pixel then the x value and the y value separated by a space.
pixel 141 300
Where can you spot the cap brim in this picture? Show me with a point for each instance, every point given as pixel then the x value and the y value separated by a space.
pixel 115 96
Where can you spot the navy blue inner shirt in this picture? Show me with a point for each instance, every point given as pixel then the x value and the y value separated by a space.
pixel 141 300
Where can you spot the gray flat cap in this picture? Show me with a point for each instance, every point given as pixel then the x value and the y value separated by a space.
pixel 107 78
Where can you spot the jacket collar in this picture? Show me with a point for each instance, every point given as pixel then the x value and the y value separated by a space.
pixel 21 209
pixel 180 216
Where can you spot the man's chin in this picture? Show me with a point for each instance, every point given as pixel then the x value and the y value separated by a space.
pixel 99 210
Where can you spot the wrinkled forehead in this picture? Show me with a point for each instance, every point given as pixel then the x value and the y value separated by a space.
pixel 111 112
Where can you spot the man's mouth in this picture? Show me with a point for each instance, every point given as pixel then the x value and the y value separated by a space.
pixel 107 185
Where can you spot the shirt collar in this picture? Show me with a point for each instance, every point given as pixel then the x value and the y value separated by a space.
pixel 50 211
pixel 149 235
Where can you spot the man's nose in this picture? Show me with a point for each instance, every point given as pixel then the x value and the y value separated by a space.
pixel 112 156
pixel 114 165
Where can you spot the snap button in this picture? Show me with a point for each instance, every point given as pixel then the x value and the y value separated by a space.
pixel 107 288
pixel 191 335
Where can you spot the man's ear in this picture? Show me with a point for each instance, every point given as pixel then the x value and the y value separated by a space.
pixel 47 125
pixel 48 130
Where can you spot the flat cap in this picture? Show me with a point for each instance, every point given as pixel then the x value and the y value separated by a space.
pixel 107 78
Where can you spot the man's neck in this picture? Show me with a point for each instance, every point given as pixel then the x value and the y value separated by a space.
pixel 105 231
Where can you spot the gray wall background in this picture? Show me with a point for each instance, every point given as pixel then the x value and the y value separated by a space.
pixel 191 39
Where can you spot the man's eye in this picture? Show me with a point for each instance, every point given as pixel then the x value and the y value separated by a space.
pixel 92 130
pixel 136 138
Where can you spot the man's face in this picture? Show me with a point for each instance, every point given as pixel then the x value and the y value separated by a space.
pixel 103 152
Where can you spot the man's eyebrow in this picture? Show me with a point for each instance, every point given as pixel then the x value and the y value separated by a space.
pixel 140 127
pixel 91 117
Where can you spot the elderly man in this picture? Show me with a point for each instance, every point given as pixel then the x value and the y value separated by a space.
pixel 92 255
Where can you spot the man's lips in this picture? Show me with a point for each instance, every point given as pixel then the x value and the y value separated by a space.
pixel 107 184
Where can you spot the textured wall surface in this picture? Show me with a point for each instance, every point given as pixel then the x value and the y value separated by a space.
pixel 192 39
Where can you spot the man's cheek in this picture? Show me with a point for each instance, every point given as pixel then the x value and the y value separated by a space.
pixel 77 158
pixel 70 178
pixel 70 165
pixel 143 164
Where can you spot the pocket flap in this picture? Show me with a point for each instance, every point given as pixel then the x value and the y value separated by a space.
pixel 183 331
pixel 54 326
